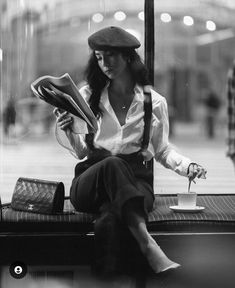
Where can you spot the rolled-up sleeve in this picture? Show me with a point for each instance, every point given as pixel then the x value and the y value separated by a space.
pixel 77 141
pixel 165 153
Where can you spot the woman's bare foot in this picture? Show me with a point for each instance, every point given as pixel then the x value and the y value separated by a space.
pixel 157 259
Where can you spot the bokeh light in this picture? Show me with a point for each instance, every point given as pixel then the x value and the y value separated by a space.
pixel 165 17
pixel 188 20
pixel 98 17
pixel 120 16
pixel 210 25
pixel 141 15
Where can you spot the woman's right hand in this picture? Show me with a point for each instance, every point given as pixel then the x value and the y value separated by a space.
pixel 63 120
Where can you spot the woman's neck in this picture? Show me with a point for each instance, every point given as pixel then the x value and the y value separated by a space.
pixel 122 86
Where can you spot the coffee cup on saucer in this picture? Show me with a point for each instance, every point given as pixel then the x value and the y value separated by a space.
pixel 187 200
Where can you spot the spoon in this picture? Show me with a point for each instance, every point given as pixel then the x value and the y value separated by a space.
pixel 189 184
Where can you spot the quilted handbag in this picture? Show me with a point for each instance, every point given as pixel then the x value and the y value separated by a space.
pixel 38 196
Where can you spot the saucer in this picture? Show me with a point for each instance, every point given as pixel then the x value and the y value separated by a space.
pixel 183 209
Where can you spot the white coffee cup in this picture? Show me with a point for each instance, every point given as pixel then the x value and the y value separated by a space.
pixel 187 199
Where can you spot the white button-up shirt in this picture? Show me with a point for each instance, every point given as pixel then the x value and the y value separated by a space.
pixel 127 139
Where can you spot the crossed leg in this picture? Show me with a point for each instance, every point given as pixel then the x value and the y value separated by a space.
pixel 136 223
pixel 112 181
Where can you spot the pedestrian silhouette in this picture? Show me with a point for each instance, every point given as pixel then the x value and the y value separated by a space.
pixel 9 117
pixel 212 104
pixel 231 113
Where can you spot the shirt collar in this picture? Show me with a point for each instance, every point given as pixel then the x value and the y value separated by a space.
pixel 139 95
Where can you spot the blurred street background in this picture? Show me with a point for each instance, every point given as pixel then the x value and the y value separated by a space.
pixel 194 50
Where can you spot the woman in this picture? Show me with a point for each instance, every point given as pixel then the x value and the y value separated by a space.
pixel 114 177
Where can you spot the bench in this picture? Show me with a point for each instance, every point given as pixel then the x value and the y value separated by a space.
pixel 62 236
pixel 204 243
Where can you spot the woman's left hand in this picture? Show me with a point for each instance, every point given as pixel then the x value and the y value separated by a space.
pixel 196 170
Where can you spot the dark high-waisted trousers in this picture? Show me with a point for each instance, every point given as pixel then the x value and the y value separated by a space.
pixel 109 182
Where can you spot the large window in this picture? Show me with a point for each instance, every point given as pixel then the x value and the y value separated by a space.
pixel 193 41
pixel 47 38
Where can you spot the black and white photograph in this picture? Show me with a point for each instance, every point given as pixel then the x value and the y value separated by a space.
pixel 117 143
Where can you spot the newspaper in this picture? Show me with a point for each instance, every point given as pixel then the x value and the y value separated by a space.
pixel 61 92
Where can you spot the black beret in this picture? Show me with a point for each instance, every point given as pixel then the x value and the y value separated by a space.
pixel 113 37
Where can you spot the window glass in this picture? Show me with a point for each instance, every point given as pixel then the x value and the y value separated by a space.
pixel 47 38
pixel 193 41
pixel 193 54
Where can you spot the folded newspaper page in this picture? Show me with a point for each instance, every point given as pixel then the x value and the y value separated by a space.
pixel 62 92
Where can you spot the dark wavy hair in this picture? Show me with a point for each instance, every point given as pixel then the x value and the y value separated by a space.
pixel 97 80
